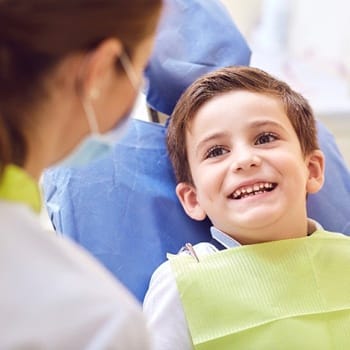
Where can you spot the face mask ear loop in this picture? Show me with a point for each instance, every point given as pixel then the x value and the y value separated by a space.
pixel 129 70
pixel 90 116
pixel 86 103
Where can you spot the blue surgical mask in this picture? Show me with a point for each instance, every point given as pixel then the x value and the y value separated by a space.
pixel 97 145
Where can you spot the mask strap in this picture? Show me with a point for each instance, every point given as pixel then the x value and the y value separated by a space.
pixel 87 105
pixel 91 116
pixel 129 70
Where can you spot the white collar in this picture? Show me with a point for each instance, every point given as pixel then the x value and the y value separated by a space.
pixel 229 242
pixel 223 238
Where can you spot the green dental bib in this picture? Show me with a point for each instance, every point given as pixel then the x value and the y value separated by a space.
pixel 288 294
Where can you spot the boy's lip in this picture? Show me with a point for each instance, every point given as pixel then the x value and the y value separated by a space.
pixel 252 186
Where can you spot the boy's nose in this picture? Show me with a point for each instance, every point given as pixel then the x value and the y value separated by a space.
pixel 245 160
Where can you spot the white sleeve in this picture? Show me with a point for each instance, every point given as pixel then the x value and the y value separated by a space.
pixel 121 327
pixel 55 296
pixel 164 312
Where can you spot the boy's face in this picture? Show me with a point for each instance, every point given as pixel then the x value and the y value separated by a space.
pixel 250 176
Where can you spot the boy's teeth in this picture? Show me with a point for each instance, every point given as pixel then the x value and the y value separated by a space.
pixel 253 189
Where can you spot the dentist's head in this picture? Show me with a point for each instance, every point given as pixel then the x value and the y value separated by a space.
pixel 69 69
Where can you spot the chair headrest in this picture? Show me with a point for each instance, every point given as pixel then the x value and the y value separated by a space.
pixel 193 38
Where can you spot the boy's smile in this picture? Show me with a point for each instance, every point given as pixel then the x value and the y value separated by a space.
pixel 250 176
pixel 252 189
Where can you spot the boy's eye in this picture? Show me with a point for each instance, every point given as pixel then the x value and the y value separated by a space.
pixel 266 137
pixel 215 151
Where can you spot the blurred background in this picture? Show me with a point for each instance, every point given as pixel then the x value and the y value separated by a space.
pixel 307 44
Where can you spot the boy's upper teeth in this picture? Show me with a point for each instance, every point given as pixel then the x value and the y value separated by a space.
pixel 259 186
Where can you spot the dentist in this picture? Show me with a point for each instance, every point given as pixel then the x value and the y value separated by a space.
pixel 69 75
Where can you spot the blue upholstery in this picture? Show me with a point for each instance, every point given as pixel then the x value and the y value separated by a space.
pixel 123 208
pixel 195 37
pixel 331 206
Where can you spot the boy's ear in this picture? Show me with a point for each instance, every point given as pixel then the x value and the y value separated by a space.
pixel 316 167
pixel 188 197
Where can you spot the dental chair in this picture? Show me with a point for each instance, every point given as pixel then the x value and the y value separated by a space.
pixel 123 209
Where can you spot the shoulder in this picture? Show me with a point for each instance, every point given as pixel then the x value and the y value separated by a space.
pixel 328 235
pixel 65 295
pixel 163 284
pixel 162 300
pixel 163 276
pixel 200 249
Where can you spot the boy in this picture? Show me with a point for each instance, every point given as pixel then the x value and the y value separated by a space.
pixel 245 154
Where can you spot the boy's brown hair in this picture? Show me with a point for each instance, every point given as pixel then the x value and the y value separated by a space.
pixel 231 79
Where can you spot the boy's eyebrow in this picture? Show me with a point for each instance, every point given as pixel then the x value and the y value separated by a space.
pixel 254 124
pixel 265 122
pixel 272 124
pixel 210 138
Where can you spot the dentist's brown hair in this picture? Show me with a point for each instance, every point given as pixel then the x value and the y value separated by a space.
pixel 35 35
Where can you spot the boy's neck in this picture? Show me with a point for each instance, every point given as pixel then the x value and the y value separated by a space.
pixel 231 240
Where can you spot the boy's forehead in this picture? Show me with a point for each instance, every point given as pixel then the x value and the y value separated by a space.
pixel 241 108
pixel 226 102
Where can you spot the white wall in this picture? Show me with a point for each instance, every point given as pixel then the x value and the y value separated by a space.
pixel 304 42
pixel 322 28
pixel 245 13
